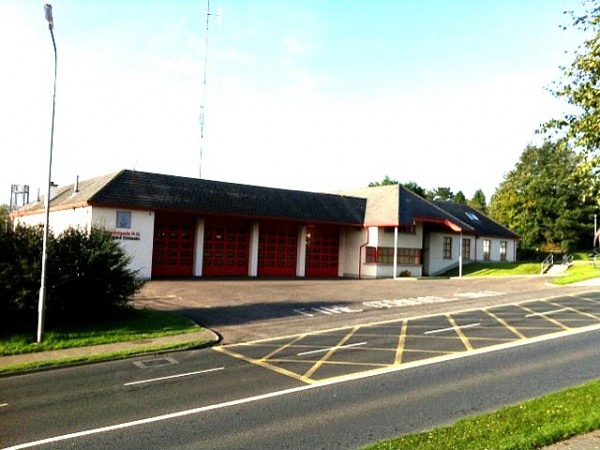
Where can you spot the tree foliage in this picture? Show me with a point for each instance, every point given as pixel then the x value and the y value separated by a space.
pixel 4 217
pixel 442 193
pixel 459 197
pixel 479 202
pixel 580 86
pixel 87 276
pixel 546 200
pixel 387 181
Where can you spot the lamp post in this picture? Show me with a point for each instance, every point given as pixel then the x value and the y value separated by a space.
pixel 42 297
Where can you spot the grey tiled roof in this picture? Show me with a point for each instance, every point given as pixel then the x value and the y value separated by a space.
pixel 413 207
pixel 376 206
pixel 166 192
pixel 480 223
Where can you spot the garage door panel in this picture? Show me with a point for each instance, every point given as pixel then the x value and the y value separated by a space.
pixel 172 253
pixel 277 249
pixel 322 251
pixel 226 251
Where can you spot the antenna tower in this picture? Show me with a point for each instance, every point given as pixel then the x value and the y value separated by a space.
pixel 202 106
pixel 19 196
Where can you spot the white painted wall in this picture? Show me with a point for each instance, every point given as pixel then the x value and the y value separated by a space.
pixel 253 249
pixel 351 258
pixel 199 248
pixel 436 263
pixel 61 220
pixel 301 252
pixel 495 249
pixel 142 227
pixel 377 237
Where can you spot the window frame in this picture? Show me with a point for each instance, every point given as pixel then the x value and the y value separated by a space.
pixel 123 220
pixel 487 249
pixel 447 247
pixel 466 248
pixel 503 250
pixel 385 256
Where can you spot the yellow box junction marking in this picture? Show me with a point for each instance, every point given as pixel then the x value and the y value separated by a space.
pixel 398 341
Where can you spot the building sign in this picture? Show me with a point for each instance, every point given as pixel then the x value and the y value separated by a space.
pixel 126 235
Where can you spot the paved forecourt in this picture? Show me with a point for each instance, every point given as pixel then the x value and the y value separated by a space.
pixel 372 348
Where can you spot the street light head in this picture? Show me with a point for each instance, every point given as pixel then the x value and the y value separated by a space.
pixel 49 18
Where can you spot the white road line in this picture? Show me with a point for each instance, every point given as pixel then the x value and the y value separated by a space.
pixel 151 380
pixel 323 350
pixel 442 330
pixel 546 313
pixel 330 382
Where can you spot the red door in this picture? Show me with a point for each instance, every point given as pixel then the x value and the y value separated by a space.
pixel 277 249
pixel 322 251
pixel 173 248
pixel 226 248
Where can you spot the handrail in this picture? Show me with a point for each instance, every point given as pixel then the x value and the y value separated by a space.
pixel 547 263
pixel 567 259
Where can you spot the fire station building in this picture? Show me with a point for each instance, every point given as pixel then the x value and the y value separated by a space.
pixel 174 226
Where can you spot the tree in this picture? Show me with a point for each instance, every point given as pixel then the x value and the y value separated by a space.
pixel 87 278
pixel 411 185
pixel 478 201
pixel 4 216
pixel 442 193
pixel 580 86
pixel 414 187
pixel 459 197
pixel 385 182
pixel 545 198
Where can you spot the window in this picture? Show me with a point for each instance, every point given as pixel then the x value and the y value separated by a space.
pixel 471 215
pixel 385 255
pixel 466 248
pixel 447 248
pixel 402 229
pixel 487 249
pixel 123 219
pixel 503 247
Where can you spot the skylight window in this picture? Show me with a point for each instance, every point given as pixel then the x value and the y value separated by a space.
pixel 472 216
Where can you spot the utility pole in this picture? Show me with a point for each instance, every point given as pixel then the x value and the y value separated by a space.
pixel 42 297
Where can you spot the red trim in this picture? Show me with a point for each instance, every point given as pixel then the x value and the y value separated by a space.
pixel 448 223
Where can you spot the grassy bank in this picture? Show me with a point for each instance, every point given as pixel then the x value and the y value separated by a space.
pixel 132 325
pixel 496 269
pixel 527 425
pixel 579 271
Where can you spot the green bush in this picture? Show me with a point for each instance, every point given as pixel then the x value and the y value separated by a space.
pixel 87 277
pixel 20 268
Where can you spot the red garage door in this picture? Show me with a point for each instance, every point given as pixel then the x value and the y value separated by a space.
pixel 173 248
pixel 277 249
pixel 226 248
pixel 322 251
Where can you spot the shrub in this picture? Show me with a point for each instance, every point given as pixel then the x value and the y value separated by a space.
pixel 20 268
pixel 87 277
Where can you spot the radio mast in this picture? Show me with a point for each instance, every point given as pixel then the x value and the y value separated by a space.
pixel 203 105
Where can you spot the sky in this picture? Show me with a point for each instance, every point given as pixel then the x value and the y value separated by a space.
pixel 315 95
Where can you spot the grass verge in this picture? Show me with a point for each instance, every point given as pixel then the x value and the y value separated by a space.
pixel 22 367
pixel 132 325
pixel 579 271
pixel 496 269
pixel 529 425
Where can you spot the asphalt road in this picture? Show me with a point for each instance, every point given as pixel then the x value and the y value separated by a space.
pixel 342 388
pixel 247 310
pixel 340 415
